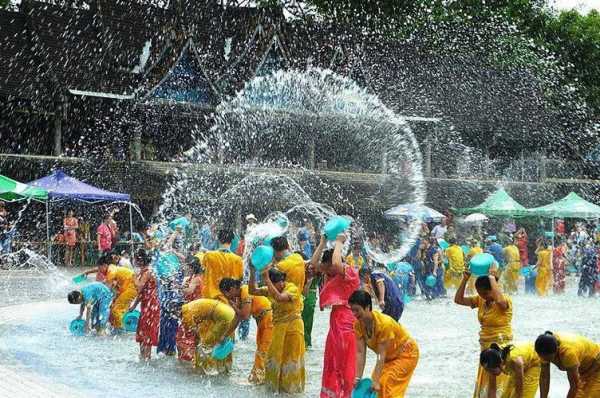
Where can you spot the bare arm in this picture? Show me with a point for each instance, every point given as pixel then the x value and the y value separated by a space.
pixel 381 291
pixel 361 355
pixel 573 375
pixel 90 271
pixel 459 297
pixel 191 286
pixel 140 280
pixel 492 386
pixel 336 261
pixel 318 254
pixel 496 293
pixel 135 303
pixel 253 289
pixel 519 372
pixel 545 380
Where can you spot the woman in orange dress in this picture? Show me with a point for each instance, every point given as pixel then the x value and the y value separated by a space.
pixel 70 225
pixel 397 352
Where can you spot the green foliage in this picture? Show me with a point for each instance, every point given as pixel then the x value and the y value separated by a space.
pixel 575 38
pixel 3 3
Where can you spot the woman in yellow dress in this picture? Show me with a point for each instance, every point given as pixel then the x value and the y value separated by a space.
pixel 397 352
pixel 494 311
pixel 519 362
pixel 121 280
pixel 195 315
pixel 285 360
pixel 543 281
pixel 513 267
pixel 456 264
pixel 259 308
pixel 574 354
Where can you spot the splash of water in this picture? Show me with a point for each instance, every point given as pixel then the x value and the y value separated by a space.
pixel 260 157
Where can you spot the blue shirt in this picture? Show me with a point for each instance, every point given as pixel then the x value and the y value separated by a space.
pixel 94 292
pixel 207 239
pixel 496 250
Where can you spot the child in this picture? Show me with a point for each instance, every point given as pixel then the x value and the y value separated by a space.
pixel 148 325
pixel 95 298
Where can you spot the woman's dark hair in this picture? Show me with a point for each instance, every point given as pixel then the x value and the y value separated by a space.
pixel 195 265
pixel 227 284
pixel 483 283
pixel 225 236
pixel 327 256
pixel 364 272
pixel 361 298
pixel 143 256
pixel 276 276
pixel 280 243
pixel 75 297
pixel 104 260
pixel 546 344
pixel 494 356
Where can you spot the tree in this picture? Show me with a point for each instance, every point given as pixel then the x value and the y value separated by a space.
pixel 3 4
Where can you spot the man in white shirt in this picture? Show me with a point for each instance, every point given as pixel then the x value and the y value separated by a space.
pixel 439 230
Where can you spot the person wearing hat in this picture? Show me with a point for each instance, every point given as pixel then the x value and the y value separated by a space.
pixel 250 222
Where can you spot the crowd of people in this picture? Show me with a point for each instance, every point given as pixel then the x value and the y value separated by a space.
pixel 194 294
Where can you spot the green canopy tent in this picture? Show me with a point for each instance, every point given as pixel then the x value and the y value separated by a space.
pixel 498 204
pixel 13 191
pixel 571 206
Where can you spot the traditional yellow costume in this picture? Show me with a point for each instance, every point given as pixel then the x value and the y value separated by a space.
pixel 261 311
pixel 210 320
pixel 574 350
pixel 294 269
pixel 356 263
pixel 401 356
pixel 456 266
pixel 473 251
pixel 543 281
pixel 531 371
pixel 126 293
pixel 285 360
pixel 513 268
pixel 219 264
pixel 495 328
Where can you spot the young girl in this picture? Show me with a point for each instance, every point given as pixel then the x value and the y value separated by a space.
pixel 192 290
pixel 71 225
pixel 148 325
pixel 520 362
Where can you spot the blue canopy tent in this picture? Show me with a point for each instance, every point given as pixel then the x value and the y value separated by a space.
pixel 61 186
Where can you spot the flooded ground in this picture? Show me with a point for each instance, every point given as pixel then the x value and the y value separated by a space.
pixel 34 340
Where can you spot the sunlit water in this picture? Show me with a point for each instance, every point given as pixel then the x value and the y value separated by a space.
pixel 34 339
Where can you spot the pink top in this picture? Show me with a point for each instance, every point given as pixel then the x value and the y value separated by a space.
pixel 105 235
pixel 337 290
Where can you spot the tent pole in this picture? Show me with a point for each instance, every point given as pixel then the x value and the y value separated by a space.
pixel 131 229
pixel 48 243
